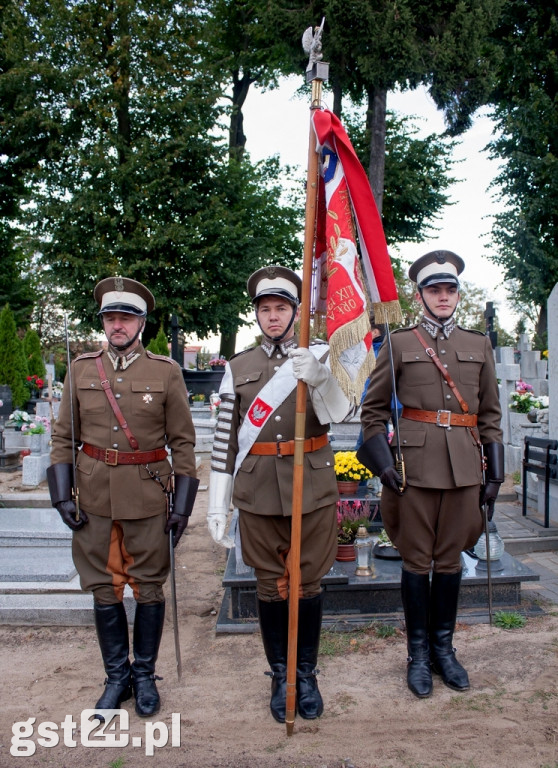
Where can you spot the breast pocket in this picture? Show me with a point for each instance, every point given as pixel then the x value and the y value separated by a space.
pixel 147 397
pixel 92 399
pixel 470 364
pixel 418 369
pixel 245 379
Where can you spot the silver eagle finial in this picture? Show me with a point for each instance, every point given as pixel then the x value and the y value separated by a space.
pixel 312 44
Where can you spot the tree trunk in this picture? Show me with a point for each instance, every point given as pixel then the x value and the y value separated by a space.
pixel 541 330
pixel 237 144
pixel 237 138
pixel 337 97
pixel 376 124
pixel 228 344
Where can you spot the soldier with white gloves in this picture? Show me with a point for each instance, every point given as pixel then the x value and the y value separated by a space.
pixel 252 464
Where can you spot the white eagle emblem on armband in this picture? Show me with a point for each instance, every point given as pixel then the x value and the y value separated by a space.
pixel 259 412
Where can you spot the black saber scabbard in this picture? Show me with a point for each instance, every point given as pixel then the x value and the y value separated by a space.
pixel 484 510
pixel 72 425
pixel 399 461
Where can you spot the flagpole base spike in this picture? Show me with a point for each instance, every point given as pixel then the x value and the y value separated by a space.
pixel 290 727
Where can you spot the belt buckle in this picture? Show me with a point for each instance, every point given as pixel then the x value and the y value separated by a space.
pixel 278 444
pixel 111 457
pixel 447 423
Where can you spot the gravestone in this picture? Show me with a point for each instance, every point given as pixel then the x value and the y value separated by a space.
pixel 552 309
pixel 507 371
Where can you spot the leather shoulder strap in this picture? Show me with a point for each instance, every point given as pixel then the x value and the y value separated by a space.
pixel 436 360
pixel 105 383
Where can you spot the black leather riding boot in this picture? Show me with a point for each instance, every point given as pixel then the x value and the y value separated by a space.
pixel 148 628
pixel 112 631
pixel 415 594
pixel 309 700
pixel 443 613
pixel 274 627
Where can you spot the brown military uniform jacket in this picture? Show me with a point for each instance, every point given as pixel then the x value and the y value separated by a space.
pixel 437 457
pixel 263 484
pixel 152 397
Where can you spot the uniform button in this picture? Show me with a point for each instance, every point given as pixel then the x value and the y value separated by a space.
pixel 417 357
pixel 115 445
pixel 279 437
pixel 470 357
pixel 115 429
pixel 148 388
pixel 277 418
pixel 275 367
pixel 445 366
pixel 92 384
pixel 328 463
pixel 404 442
pixel 119 379
pixel 118 395
pixel 442 351
pixel 448 397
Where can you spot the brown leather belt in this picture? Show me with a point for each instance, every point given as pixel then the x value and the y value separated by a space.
pixel 441 418
pixel 112 457
pixel 287 447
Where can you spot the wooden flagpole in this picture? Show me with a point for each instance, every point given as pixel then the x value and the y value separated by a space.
pixel 316 73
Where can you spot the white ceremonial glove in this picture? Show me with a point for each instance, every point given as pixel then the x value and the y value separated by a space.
pixel 308 368
pixel 220 492
pixel 328 400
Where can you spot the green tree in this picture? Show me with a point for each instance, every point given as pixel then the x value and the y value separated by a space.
pixel 242 49
pixel 22 143
pixel 136 178
pixel 159 345
pixel 33 354
pixel 417 175
pixel 13 367
pixel 525 233
pixel 122 189
pixel 374 47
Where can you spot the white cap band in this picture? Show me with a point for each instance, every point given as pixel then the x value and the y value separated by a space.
pixel 434 268
pixel 278 284
pixel 123 297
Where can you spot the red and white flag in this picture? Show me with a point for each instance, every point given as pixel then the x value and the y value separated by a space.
pixel 339 294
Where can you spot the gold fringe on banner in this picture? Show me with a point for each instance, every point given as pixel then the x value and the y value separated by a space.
pixel 387 312
pixel 341 341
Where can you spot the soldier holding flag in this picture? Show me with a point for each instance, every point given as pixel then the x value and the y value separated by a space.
pixel 252 462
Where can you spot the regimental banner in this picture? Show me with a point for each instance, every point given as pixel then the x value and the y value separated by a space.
pixel 340 295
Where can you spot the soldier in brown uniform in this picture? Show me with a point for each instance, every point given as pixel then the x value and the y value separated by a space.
pixel 253 461
pixel 122 471
pixel 442 428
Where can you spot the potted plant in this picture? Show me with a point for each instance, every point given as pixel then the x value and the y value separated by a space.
pixel 523 400
pixel 217 363
pixel 36 428
pixel 349 471
pixel 350 516
pixel 524 407
pixel 198 399
pixel 17 419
